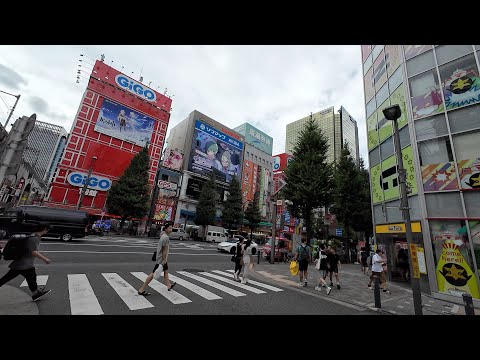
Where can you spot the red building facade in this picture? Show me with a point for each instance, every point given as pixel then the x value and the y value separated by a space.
pixel 112 102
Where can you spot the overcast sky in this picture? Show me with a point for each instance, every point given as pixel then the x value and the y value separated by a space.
pixel 267 86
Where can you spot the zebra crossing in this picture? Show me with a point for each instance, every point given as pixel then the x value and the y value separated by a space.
pixel 210 285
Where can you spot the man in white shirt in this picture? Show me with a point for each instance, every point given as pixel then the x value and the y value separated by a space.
pixel 377 266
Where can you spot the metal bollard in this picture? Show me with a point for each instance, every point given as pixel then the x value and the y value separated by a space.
pixel 258 257
pixel 468 303
pixel 376 292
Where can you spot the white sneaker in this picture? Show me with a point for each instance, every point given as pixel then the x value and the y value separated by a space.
pixel 300 284
pixel 329 289
pixel 318 288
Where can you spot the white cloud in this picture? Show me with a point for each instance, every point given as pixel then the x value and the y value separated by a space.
pixel 269 86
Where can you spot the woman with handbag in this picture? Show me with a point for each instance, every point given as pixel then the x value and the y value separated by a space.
pixel 321 265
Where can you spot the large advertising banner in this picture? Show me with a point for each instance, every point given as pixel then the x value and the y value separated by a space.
pixel 213 150
pixel 247 182
pixel 469 173
pixel 439 177
pixel 384 178
pixel 123 123
pixel 393 57
pixel 173 159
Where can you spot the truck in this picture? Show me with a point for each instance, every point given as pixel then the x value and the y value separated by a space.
pixel 212 233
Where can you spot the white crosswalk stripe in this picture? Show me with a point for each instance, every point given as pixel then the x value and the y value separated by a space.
pixel 262 285
pixel 212 284
pixel 196 289
pixel 127 293
pixel 171 295
pixel 41 280
pixel 82 298
pixel 234 283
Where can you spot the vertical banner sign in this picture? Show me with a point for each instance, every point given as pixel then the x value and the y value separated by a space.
pixel 422 266
pixel 453 273
pixel 413 255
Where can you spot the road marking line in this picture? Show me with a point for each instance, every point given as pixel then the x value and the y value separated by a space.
pixel 196 289
pixel 41 280
pixel 212 284
pixel 126 292
pixel 82 298
pixel 234 283
pixel 161 288
pixel 455 309
pixel 265 286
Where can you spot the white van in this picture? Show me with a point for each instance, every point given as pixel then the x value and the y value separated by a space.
pixel 216 237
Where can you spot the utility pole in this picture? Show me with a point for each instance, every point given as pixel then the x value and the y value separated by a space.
pixel 13 108
pixel 87 180
pixel 393 113
pixel 274 222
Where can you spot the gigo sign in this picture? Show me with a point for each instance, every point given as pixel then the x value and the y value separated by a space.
pixel 76 178
pixel 135 87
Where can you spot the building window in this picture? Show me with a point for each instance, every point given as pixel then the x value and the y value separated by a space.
pixel 368 85
pixel 371 107
pixel 395 80
pixel 386 148
pixel 382 94
pixel 435 151
pixel 414 50
pixel 164 177
pixel 421 63
pixel 379 71
pixel 425 93
pixel 377 50
pixel 432 127
pixel 374 157
pixel 467 145
pixel 444 205
pixel 472 199
pixel 460 82
pixel 393 57
pixel 446 53
pixel 464 119
pixel 404 137
pixel 368 64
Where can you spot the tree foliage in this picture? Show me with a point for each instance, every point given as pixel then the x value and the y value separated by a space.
pixel 362 215
pixel 252 214
pixel 129 196
pixel 232 212
pixel 206 202
pixel 309 175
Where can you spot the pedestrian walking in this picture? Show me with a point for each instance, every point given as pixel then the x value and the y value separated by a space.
pixel 247 260
pixel 161 262
pixel 363 260
pixel 333 264
pixel 321 265
pixel 377 267
pixel 24 264
pixel 238 260
pixel 384 276
pixel 303 257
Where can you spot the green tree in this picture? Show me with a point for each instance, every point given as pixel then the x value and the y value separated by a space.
pixel 206 203
pixel 252 214
pixel 308 175
pixel 128 197
pixel 362 216
pixel 348 187
pixel 232 212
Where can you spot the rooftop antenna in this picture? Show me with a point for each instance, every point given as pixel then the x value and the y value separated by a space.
pixel 165 91
pixel 141 77
pixel 102 57
pixel 149 84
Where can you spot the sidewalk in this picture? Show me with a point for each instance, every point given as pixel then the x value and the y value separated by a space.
pixel 354 290
pixel 14 301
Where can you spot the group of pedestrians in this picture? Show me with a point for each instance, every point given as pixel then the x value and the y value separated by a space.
pixel 243 259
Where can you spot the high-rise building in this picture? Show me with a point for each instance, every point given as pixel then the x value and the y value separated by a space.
pixel 257 167
pixel 196 147
pixel 44 148
pixel 438 90
pixel 338 128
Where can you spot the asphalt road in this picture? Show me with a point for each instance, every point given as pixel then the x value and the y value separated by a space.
pixel 100 275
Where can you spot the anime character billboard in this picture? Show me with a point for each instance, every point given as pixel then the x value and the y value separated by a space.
pixel 213 150
pixel 123 123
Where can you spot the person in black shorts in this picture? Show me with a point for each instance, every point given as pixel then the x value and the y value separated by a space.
pixel 303 257
pixel 333 264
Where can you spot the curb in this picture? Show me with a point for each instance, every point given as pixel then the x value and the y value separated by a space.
pixel 14 301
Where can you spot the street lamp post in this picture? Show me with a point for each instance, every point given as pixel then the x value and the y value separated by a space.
pixel 87 180
pixel 393 113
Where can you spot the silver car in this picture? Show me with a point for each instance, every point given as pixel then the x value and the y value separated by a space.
pixel 178 234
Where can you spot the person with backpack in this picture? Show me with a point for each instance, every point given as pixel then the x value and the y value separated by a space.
pixel 23 250
pixel 303 257
pixel 238 260
pixel 333 264
pixel 321 265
